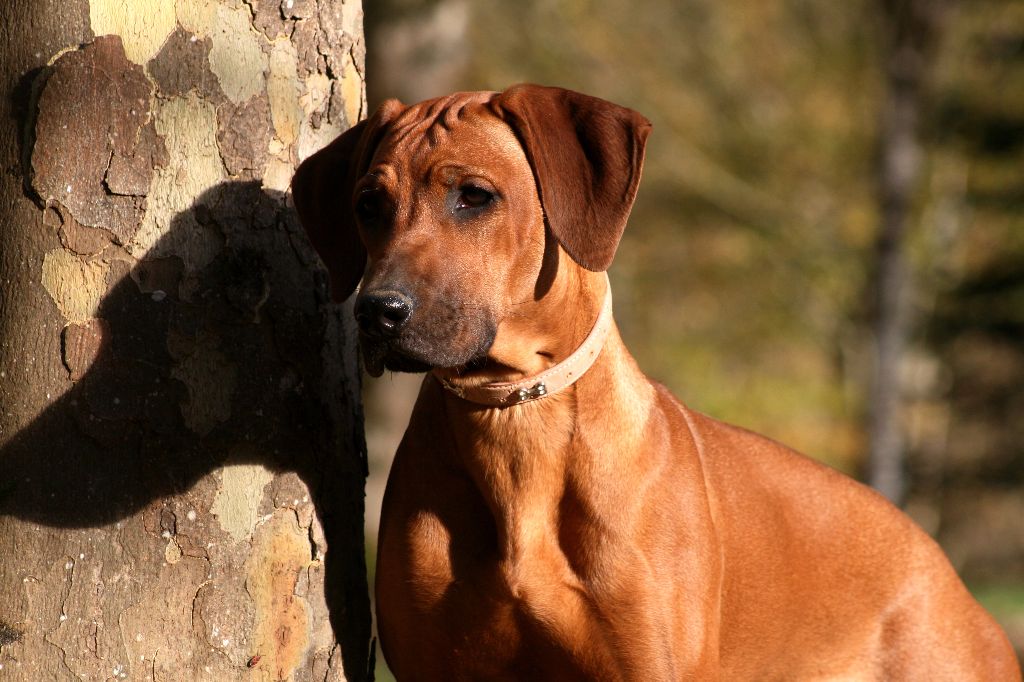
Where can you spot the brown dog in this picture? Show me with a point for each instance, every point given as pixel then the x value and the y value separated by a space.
pixel 551 513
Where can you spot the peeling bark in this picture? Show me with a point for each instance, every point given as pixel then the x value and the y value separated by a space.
pixel 181 454
pixel 90 155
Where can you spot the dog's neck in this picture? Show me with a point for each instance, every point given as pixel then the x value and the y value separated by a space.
pixel 560 375
pixel 521 458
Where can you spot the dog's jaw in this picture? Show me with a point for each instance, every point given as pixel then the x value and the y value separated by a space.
pixel 420 352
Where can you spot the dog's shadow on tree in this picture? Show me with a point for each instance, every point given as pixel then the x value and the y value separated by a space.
pixel 207 351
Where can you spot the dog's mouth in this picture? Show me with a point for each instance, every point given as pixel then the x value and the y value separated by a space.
pixel 396 356
pixel 379 356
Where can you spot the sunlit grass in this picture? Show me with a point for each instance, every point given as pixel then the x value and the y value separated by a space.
pixel 1002 601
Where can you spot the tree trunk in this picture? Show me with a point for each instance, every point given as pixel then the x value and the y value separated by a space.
pixel 910 28
pixel 181 449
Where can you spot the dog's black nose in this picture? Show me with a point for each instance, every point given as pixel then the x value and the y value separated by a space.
pixel 383 313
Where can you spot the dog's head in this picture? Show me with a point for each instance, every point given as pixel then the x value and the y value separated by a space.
pixel 456 209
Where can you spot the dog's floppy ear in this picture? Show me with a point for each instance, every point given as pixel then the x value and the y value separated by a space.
pixel 322 191
pixel 586 155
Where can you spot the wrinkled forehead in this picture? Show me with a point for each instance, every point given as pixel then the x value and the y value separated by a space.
pixel 460 126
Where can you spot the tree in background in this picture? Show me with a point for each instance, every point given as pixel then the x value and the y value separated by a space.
pixel 181 458
pixel 910 30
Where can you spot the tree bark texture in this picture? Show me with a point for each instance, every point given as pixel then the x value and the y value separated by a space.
pixel 911 29
pixel 181 449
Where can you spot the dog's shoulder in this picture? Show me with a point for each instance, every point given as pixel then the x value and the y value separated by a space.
pixel 756 480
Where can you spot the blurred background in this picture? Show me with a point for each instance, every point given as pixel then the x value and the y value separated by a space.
pixel 828 244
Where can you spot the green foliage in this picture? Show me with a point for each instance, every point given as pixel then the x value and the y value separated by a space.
pixel 1001 600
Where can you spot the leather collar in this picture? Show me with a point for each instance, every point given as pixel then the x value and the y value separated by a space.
pixel 550 381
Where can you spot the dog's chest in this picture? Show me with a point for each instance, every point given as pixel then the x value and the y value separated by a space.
pixel 499 542
pixel 460 594
pixel 465 568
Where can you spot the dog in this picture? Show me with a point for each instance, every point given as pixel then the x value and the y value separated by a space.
pixel 552 513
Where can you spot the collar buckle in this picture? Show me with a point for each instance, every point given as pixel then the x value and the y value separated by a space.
pixel 538 390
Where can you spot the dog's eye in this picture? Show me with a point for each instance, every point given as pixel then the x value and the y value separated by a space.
pixel 471 196
pixel 368 206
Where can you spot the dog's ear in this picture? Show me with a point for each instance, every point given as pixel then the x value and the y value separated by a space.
pixel 586 156
pixel 322 191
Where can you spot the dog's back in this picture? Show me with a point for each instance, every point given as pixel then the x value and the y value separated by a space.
pixel 816 562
